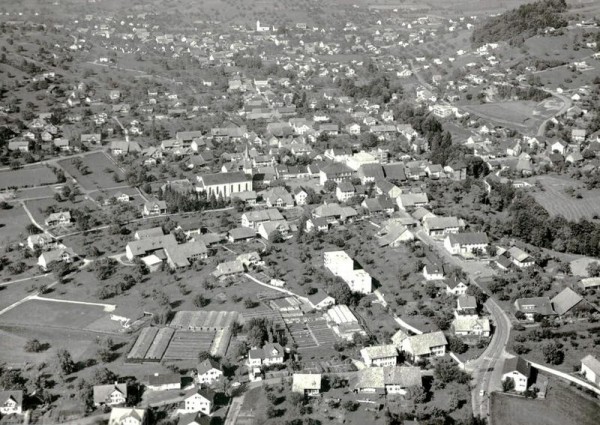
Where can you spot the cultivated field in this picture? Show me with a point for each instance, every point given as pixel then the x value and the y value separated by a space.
pixel 562 406
pixel 30 176
pixel 557 202
pixel 98 178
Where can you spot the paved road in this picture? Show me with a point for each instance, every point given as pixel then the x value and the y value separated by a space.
pixel 566 105
pixel 487 368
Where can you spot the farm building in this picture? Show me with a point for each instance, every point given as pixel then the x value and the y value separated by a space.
pixel 204 320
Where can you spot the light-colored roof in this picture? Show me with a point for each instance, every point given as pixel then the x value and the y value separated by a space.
pixel 379 351
pixel 591 362
pixel 264 215
pixel 102 392
pixel 422 344
pixel 306 381
pixel 469 323
pixel 119 414
pixel 565 300
pixel 379 377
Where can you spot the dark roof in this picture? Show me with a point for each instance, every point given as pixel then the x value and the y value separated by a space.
pixel 519 364
pixel 163 378
pixel 207 365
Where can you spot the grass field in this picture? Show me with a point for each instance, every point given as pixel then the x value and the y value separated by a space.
pixel 98 178
pixel 517 113
pixel 30 176
pixel 562 406
pixel 557 202
pixel 12 225
pixel 52 314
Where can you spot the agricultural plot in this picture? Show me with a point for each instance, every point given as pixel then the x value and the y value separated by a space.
pixel 98 175
pixel 322 333
pixel 302 337
pixel 25 177
pixel 142 344
pixel 186 345
pixel 160 344
pixel 558 203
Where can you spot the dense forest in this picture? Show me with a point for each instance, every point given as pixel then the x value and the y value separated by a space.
pixel 519 24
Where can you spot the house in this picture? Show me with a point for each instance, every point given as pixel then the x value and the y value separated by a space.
pixel 344 191
pixel 163 381
pixel 127 416
pixel 469 325
pixel 466 244
pixel 271 353
pixel 466 305
pixel 152 232
pixel 336 172
pixel 91 138
pixel 590 369
pixel 267 229
pixel 122 147
pixel 379 355
pixel 320 300
pixel 41 241
pixel 519 370
pixel 248 197
pixel 565 301
pixel 208 372
pixel 560 147
pixel 194 419
pixel 62 218
pixel 252 219
pixel 455 287
pixel 456 170
pixel 409 201
pixel 307 384
pixel 198 400
pixel 342 265
pixel 343 322
pixel 154 207
pixel 578 135
pixel 228 269
pixel 300 196
pixel 317 224
pixel 440 227
pixel 419 347
pixel 394 234
pixel 11 402
pixel 589 283
pixel 240 234
pixel 224 184
pixel 110 395
pixel 62 255
pixel 19 145
pixel 388 380
pixel 531 307
pixel 520 258
pixel 278 197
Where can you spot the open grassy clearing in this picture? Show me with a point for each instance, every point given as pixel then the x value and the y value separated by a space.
pixel 13 222
pixel 53 314
pixel 38 206
pixel 24 177
pixel 517 113
pixel 562 406
pixel 98 178
pixel 557 202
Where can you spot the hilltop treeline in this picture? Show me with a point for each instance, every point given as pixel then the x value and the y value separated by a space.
pixel 518 24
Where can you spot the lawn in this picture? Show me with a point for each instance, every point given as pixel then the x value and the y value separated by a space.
pixel 53 314
pixel 554 199
pixel 562 406
pixel 518 113
pixel 13 222
pixel 97 165
pixel 24 177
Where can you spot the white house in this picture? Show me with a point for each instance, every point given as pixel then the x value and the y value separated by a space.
pixel 198 400
pixel 62 218
pixel 320 300
pixel 209 371
pixel 590 369
pixel 308 384
pixel 41 241
pixel 127 416
pixel 11 402
pixel 342 265
pixel 164 382
pixel 110 395
pixel 154 207
pixel 64 255
pixel 519 370
pixel 271 353
pixel 471 326
pixel 379 355
pixel 466 244
pixel 455 287
pixel 419 347
pixel 388 380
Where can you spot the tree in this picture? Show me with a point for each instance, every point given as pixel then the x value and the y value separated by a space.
pixel 508 384
pixel 105 350
pixel 552 353
pixel 457 346
pixel 416 393
pixel 34 346
pixel 65 362
pixel 350 405
pixel 330 186
pixel 447 371
pixel 201 301
pixel 203 355
pixel 593 269
pixel 102 376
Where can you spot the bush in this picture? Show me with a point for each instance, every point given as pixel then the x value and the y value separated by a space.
pixel 34 346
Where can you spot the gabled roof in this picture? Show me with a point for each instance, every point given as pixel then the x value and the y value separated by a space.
pixel 540 305
pixel 223 178
pixel 422 344
pixel 306 381
pixel 15 395
pixel 379 351
pixel 469 238
pixel 517 364
pixel 206 393
pixel 565 300
pixel 592 363
pixel 208 364
pixel 318 297
pixel 102 392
